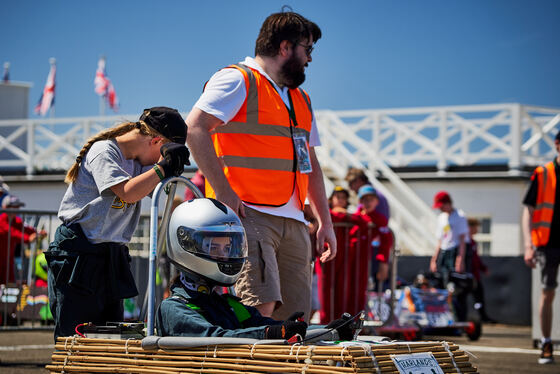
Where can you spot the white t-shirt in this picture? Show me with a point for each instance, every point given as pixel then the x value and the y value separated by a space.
pixel 224 95
pixel 450 227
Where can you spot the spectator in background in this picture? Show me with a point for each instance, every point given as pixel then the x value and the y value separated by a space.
pixel 333 276
pixel 199 181
pixel 540 223
pixel 475 266
pixel 338 201
pixel 356 178
pixel 12 232
pixel 371 224
pixel 449 256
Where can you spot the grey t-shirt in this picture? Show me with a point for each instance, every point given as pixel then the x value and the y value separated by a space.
pixel 89 201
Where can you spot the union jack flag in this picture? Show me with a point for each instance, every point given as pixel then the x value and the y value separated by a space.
pixel 104 87
pixel 47 97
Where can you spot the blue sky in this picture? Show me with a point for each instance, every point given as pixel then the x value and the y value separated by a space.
pixel 373 54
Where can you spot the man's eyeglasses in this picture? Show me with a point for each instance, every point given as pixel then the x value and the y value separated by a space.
pixel 308 48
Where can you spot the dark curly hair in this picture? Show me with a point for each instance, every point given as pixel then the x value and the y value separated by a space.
pixel 284 26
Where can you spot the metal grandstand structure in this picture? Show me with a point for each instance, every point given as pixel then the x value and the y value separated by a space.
pixel 514 135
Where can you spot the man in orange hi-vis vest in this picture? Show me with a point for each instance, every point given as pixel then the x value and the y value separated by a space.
pixel 541 232
pixel 252 133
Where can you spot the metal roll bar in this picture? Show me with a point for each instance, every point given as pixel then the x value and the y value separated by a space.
pixel 157 239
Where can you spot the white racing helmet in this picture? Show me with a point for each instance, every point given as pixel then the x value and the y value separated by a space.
pixel 206 238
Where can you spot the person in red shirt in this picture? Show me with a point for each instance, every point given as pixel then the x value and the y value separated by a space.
pixel 371 225
pixel 333 276
pixel 12 231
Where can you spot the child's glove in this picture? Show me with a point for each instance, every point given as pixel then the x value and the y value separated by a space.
pixel 345 331
pixel 175 156
pixel 288 328
pixel 296 316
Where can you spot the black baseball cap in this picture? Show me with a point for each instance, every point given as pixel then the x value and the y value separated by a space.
pixel 558 136
pixel 167 121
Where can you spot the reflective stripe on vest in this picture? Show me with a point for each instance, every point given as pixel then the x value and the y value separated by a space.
pixel 544 209
pixel 256 147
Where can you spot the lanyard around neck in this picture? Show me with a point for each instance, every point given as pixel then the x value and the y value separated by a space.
pixel 290 109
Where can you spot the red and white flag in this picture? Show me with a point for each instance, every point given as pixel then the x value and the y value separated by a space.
pixel 104 87
pixel 47 97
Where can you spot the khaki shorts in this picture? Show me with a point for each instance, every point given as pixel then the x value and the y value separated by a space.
pixel 279 264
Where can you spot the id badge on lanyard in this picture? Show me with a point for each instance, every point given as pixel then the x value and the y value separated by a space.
pixel 299 137
pixel 302 151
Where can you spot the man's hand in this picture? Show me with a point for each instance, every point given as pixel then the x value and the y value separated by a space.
pixel 326 235
pixel 530 256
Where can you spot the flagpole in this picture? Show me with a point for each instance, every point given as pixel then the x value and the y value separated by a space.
pixel 52 61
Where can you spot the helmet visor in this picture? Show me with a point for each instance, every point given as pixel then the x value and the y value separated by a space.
pixel 219 243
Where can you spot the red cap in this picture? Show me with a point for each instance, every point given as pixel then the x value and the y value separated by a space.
pixel 440 198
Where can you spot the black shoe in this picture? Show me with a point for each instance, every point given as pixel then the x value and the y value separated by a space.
pixel 546 354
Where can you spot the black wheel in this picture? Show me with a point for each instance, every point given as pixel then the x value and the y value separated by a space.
pixel 420 332
pixel 474 331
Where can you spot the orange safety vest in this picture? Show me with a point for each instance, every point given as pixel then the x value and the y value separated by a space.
pixel 544 209
pixel 256 147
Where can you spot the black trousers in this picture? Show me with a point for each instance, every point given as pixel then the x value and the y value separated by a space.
pixel 71 306
pixel 446 265
pixel 86 282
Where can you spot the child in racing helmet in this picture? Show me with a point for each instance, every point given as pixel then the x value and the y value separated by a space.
pixel 207 242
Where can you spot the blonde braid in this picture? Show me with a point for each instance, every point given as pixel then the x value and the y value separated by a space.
pixel 111 133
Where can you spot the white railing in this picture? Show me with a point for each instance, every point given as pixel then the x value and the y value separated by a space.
pixel 47 145
pixel 407 210
pixel 376 140
pixel 511 134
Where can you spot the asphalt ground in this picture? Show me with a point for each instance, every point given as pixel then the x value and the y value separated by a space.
pixel 501 349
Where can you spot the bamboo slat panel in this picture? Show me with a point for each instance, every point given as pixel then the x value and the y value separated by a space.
pixel 83 355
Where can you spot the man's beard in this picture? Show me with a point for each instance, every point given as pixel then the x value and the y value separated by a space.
pixel 293 73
